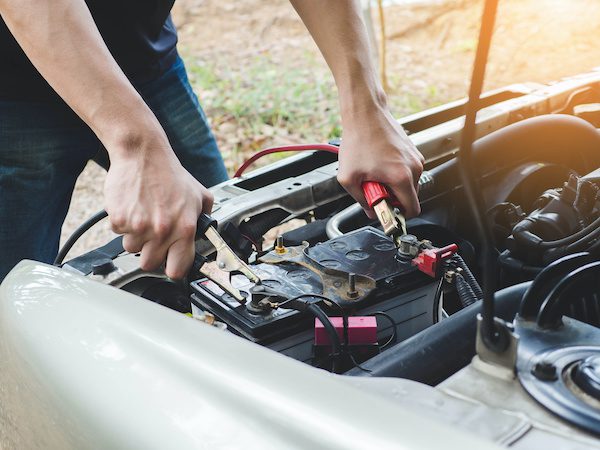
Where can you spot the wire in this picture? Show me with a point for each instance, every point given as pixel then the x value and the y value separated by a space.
pixel 85 226
pixel 394 335
pixel 468 277
pixel 356 364
pixel 524 236
pixel 593 235
pixel 286 148
pixel 316 311
pixel 333 336
pixel 298 297
pixel 337 347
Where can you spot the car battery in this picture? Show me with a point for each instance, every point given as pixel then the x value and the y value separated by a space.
pixel 402 291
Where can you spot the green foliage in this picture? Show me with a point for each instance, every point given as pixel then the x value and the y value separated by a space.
pixel 263 101
pixel 255 103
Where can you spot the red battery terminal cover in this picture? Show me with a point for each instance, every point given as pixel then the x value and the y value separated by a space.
pixel 362 330
pixel 429 260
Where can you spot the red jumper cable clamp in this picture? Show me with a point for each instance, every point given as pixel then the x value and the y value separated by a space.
pixel 386 207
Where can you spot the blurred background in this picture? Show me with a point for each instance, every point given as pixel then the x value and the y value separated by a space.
pixel 262 81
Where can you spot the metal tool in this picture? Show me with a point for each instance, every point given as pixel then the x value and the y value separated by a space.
pixel 386 207
pixel 226 261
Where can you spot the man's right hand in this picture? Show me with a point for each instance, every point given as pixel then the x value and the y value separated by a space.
pixel 155 203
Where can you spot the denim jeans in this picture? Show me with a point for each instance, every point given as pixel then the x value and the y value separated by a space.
pixel 45 146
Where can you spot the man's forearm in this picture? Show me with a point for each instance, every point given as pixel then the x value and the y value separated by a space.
pixel 337 28
pixel 64 44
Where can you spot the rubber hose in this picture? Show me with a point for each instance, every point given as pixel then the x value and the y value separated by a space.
pixel 465 294
pixel 469 277
pixel 523 236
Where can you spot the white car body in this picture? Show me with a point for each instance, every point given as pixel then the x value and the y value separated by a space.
pixel 85 365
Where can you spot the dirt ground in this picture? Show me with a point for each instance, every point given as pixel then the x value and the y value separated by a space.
pixel 429 55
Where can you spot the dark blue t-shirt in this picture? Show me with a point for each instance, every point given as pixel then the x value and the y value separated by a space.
pixel 139 34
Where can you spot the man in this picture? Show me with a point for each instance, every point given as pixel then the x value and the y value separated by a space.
pixel 80 74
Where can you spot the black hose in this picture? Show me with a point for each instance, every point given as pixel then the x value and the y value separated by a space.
pixel 545 281
pixel 584 241
pixel 465 294
pixel 582 278
pixel 514 265
pixel 440 350
pixel 585 244
pixel 490 333
pixel 522 234
pixel 594 248
pixel 468 276
pixel 85 226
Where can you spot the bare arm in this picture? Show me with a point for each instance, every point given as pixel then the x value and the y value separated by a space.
pixel 150 198
pixel 374 146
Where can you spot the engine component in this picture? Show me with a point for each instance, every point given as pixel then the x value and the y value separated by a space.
pixel 557 222
pixel 555 357
pixel 360 272
pixel 344 288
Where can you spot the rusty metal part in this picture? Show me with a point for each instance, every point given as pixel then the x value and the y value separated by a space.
pixel 335 283
pixel 408 246
pixel 401 220
pixel 392 222
pixel 279 247
pixel 214 273
pixel 227 260
pixel 352 292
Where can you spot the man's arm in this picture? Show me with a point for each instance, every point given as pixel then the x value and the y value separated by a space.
pixel 149 196
pixel 374 146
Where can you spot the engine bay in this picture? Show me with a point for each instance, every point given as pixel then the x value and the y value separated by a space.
pixel 337 293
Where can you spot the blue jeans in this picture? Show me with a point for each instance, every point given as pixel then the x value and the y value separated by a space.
pixel 45 146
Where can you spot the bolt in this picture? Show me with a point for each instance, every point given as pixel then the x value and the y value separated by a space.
pixel 279 247
pixel 352 292
pixel 221 265
pixel 544 371
pixel 408 245
pixel 449 276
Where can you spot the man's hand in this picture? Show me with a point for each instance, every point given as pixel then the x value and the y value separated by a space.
pixel 155 203
pixel 376 148
pixel 149 196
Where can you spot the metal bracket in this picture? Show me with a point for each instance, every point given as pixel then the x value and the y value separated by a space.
pixel 507 358
pixel 341 287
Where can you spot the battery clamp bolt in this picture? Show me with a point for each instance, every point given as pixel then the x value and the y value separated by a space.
pixel 279 247
pixel 352 292
pixel 408 246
